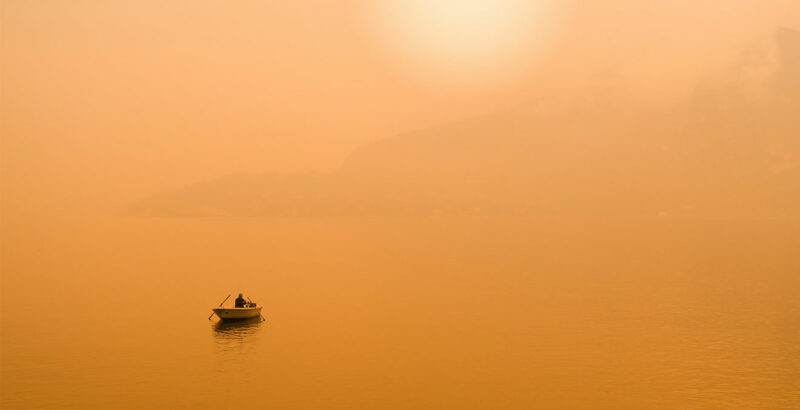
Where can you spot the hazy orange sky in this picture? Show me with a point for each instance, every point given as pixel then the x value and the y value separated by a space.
pixel 106 101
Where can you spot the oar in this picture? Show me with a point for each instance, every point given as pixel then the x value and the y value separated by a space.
pixel 263 319
pixel 220 305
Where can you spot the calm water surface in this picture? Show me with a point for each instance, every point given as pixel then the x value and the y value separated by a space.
pixel 401 313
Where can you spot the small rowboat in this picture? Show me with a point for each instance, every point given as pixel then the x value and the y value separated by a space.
pixel 238 313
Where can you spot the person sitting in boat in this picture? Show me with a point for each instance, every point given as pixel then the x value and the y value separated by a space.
pixel 240 302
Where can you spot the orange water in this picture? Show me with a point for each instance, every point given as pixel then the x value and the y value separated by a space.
pixel 402 313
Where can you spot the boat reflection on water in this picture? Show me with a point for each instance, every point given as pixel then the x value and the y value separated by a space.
pixel 232 334
pixel 237 326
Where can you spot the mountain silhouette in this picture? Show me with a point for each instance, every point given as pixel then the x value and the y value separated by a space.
pixel 731 149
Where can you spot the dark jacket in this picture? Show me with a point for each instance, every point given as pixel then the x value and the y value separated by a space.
pixel 240 302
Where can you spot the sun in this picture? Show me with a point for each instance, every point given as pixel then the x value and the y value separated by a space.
pixel 459 40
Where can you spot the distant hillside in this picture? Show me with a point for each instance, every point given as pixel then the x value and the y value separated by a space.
pixel 733 149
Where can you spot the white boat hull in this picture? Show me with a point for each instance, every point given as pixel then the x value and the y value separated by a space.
pixel 238 313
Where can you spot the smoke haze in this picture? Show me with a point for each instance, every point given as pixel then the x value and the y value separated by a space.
pixel 438 204
pixel 105 103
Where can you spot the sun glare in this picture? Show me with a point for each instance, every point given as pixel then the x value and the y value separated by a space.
pixel 459 39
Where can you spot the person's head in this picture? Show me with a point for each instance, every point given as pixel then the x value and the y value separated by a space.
pixel 241 294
